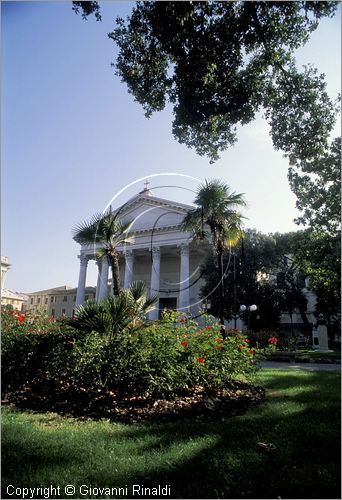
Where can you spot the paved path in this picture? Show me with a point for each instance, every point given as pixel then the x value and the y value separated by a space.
pixel 301 366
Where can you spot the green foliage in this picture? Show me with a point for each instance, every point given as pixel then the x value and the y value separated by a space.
pixel 162 359
pixel 270 272
pixel 33 349
pixel 216 210
pixel 318 190
pixel 88 8
pixel 251 265
pixel 181 354
pixel 106 231
pixel 318 254
pixel 115 314
pixel 218 63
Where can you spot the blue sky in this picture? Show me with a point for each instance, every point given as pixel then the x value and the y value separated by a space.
pixel 72 138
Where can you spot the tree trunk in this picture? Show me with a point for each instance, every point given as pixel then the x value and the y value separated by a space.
pixel 307 324
pixel 221 290
pixel 234 289
pixel 115 273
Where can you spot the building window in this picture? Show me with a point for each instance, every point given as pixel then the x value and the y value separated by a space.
pixel 63 312
pixel 53 313
pixel 38 300
pixel 46 300
pixel 86 297
pixel 74 298
pixel 65 298
pixel 51 300
pixel 31 300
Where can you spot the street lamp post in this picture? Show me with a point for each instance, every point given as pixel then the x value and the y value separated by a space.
pixel 206 306
pixel 249 309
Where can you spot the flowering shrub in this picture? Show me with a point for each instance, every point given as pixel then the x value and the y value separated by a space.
pixel 273 340
pixel 263 339
pixel 178 353
pixel 32 346
pixel 162 359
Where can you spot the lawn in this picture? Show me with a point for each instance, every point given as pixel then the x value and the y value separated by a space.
pixel 301 419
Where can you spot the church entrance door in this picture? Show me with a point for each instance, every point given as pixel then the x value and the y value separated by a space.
pixel 169 303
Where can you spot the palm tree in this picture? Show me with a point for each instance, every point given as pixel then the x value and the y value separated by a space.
pixel 108 231
pixel 115 314
pixel 216 210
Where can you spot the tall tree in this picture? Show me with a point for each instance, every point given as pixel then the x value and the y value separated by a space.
pixel 216 210
pixel 290 284
pixel 248 269
pixel 318 255
pixel 218 63
pixel 318 190
pixel 105 231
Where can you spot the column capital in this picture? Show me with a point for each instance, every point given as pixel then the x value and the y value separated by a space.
pixel 156 252
pixel 83 259
pixel 128 253
pixel 184 248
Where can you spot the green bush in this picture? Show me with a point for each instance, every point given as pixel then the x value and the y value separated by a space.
pixel 35 349
pixel 177 354
pixel 162 359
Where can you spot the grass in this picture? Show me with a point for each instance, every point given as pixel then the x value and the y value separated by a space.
pixel 198 460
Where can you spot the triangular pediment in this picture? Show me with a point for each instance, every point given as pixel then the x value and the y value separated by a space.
pixel 148 212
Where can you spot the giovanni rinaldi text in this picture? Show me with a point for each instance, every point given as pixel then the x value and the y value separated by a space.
pixel 133 490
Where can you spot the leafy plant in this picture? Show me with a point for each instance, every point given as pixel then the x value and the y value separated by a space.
pixel 115 314
pixel 217 210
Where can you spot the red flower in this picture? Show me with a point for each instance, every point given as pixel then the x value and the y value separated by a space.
pixel 273 340
pixel 182 320
pixel 232 330
pixel 218 347
pixel 251 351
pixel 184 343
pixel 200 359
pixel 247 341
pixel 219 340
pixel 208 328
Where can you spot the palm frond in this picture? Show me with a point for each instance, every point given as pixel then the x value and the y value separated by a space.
pixel 115 314
pixel 216 210
pixel 102 253
pixel 194 222
pixel 139 293
pixel 90 317
pixel 88 231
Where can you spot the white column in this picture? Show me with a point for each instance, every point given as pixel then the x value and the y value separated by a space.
pixel 129 257
pixel 99 268
pixel 103 292
pixel 155 279
pixel 82 279
pixel 184 290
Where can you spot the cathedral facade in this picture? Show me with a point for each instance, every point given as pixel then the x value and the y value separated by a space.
pixel 161 254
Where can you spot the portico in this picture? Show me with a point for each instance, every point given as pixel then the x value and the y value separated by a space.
pixel 161 255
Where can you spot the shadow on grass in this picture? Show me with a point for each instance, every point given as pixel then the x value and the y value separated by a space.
pixel 202 460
